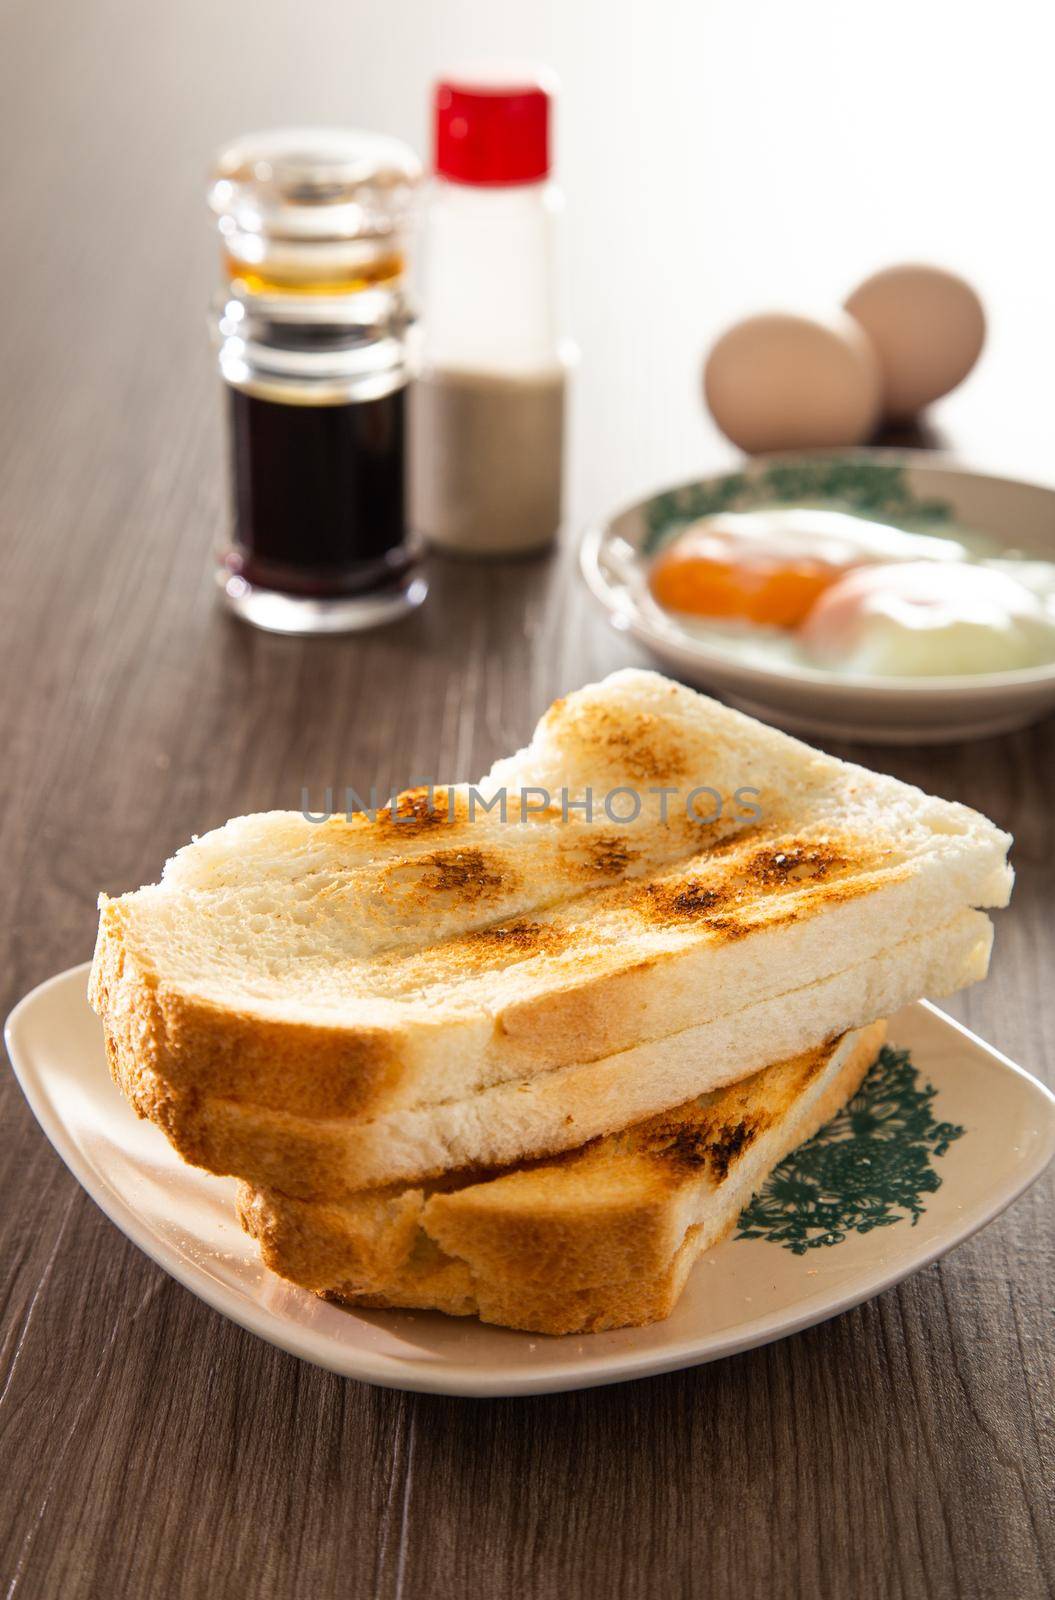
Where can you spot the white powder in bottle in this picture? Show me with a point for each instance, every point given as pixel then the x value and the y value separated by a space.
pixel 486 439
pixel 486 455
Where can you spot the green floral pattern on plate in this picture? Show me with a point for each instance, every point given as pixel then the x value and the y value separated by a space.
pixel 869 1168
pixel 869 488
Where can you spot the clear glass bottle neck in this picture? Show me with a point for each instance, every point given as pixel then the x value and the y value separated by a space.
pixel 317 351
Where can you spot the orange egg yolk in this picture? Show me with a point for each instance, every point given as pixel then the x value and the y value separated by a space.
pixel 778 593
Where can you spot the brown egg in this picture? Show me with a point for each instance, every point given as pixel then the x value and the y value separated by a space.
pixel 927 326
pixel 779 381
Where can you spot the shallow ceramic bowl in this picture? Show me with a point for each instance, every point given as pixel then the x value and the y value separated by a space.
pixel 909 488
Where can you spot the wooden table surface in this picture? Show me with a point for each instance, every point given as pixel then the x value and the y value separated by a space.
pixel 150 1447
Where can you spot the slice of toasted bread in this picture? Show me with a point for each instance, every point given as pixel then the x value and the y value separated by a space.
pixel 603 1237
pixel 355 968
pixel 557 1110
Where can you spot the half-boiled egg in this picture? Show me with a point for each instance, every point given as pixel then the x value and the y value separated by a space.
pixel 804 586
pixel 772 567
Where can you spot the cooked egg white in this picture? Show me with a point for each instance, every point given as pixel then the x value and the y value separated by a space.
pixel 922 620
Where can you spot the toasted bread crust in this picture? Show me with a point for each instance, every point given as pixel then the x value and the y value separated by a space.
pixel 602 1238
pixel 190 1043
pixel 331 1159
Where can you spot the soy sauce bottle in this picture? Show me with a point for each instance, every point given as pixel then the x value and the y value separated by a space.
pixel 312 327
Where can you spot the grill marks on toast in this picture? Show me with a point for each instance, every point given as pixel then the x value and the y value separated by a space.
pixel 462 876
pixel 644 746
pixel 741 888
pixel 716 1148
pixel 713 1132
pixel 489 948
pixel 410 815
pixel 445 879
pixel 729 895
pixel 419 811
pixel 611 855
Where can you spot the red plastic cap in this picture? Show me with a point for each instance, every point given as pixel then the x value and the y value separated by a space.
pixel 492 133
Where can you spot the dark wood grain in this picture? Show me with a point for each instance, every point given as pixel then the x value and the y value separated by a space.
pixel 149 1447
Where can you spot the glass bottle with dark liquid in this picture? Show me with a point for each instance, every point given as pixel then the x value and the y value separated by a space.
pixel 313 329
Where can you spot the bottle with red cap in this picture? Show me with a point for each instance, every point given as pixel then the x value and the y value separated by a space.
pixel 488 406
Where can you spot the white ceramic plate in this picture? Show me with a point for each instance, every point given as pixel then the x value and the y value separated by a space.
pixel 915 488
pixel 745 1292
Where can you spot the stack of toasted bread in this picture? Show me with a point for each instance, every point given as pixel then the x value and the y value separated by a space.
pixel 525 1049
